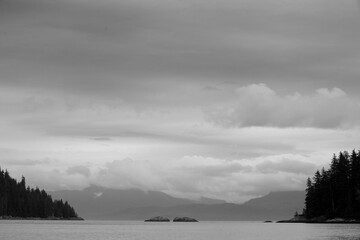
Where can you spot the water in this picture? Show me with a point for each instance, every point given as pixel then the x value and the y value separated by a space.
pixel 111 230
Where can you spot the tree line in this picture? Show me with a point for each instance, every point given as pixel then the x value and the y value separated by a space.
pixel 335 192
pixel 17 200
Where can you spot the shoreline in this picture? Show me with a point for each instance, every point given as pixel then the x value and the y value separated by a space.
pixel 38 218
pixel 321 221
pixel 314 222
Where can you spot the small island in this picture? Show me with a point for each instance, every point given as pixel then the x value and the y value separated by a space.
pixel 184 219
pixel 176 219
pixel 18 202
pixel 158 219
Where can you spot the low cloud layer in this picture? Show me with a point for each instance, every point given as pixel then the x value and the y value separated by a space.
pixel 189 177
pixel 195 176
pixel 192 176
pixel 82 170
pixel 259 105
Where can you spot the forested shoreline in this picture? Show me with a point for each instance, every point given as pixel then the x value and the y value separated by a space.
pixel 335 192
pixel 18 201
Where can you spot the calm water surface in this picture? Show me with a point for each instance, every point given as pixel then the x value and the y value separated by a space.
pixel 111 230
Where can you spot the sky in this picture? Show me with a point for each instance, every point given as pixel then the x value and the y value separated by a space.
pixel 225 99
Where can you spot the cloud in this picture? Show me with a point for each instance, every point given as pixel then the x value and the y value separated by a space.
pixel 75 73
pixel 105 139
pixel 210 88
pixel 238 178
pixel 51 177
pixel 26 162
pixel 114 47
pixel 98 194
pixel 195 176
pixel 128 173
pixel 287 166
pixel 191 176
pixel 259 105
pixel 222 170
pixel 82 170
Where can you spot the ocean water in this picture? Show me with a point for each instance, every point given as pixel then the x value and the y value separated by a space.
pixel 137 230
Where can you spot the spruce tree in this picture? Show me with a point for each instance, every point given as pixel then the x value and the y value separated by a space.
pixel 17 200
pixel 335 192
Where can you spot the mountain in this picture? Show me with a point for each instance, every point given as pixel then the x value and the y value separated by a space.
pixel 274 206
pixel 97 202
pixel 210 201
pixel 280 201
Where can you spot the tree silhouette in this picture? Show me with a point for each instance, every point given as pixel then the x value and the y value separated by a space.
pixel 335 192
pixel 17 200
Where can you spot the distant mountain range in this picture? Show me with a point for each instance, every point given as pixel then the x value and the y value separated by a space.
pixel 97 202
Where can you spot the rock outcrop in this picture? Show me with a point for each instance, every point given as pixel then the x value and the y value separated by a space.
pixel 184 219
pixel 158 219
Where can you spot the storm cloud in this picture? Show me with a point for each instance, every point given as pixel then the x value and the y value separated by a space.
pixel 112 48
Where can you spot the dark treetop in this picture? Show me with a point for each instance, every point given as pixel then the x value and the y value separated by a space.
pixel 19 201
pixel 335 193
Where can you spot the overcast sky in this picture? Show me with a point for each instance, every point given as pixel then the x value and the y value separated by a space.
pixel 228 99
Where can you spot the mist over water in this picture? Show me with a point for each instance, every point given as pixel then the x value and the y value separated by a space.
pixel 124 230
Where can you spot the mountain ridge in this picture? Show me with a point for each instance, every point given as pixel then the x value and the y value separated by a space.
pixel 97 202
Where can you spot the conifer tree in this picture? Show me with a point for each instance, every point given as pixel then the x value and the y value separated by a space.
pixel 335 192
pixel 17 200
